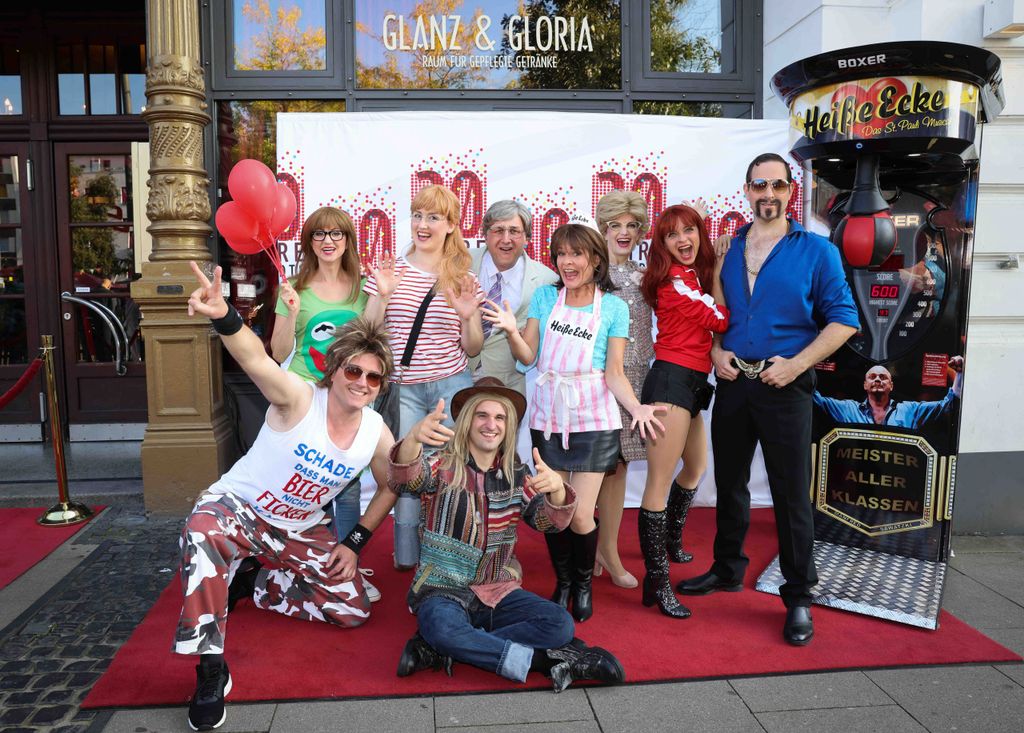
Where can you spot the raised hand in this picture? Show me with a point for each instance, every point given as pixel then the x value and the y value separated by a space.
pixel 644 418
pixel 699 205
pixel 385 275
pixel 431 430
pixel 722 245
pixel 207 300
pixel 956 363
pixel 501 318
pixel 290 298
pixel 465 302
pixel 545 480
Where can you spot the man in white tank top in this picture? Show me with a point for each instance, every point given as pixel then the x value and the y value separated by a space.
pixel 270 504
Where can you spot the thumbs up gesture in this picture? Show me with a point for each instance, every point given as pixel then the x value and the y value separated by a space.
pixel 546 481
pixel 431 430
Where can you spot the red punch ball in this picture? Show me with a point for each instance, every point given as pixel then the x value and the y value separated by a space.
pixel 866 240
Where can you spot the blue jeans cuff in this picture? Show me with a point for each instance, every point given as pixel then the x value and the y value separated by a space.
pixel 515 661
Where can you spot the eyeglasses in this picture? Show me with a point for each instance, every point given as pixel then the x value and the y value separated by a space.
pixel 502 231
pixel 431 219
pixel 758 185
pixel 632 227
pixel 336 235
pixel 352 374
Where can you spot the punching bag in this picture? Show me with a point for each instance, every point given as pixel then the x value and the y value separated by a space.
pixel 866 236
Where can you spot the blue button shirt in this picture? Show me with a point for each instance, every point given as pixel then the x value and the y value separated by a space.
pixel 903 414
pixel 801 287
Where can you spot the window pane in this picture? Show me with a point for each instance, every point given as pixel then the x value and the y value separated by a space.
pixel 13 333
pixel 102 94
pixel 103 259
pixel 693 36
pixel 489 44
pixel 133 90
pixel 280 35
pixel 249 129
pixel 99 188
pixel 10 80
pixel 12 263
pixel 71 79
pixel 10 208
pixel 729 110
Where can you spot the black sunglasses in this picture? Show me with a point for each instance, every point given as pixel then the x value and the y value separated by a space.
pixel 353 372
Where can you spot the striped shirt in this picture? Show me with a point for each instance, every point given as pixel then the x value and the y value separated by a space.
pixel 438 353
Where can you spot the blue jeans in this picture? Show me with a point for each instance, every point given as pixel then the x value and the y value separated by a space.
pixel 416 401
pixel 347 509
pixel 501 639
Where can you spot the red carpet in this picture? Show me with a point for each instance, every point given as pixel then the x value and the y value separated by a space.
pixel 729 634
pixel 24 543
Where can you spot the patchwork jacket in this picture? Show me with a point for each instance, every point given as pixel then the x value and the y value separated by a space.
pixel 468 536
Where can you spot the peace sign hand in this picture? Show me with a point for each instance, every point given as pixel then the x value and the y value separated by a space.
pixel 431 430
pixel 207 300
pixel 546 480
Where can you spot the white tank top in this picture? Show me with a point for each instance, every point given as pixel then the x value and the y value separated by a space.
pixel 289 477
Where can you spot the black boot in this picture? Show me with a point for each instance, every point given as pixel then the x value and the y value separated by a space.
pixel 584 551
pixel 679 500
pixel 576 661
pixel 560 550
pixel 419 655
pixel 656 586
pixel 243 585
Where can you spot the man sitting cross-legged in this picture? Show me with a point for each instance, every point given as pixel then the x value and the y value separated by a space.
pixel 466 593
pixel 316 438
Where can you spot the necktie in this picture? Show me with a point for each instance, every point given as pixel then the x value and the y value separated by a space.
pixel 493 295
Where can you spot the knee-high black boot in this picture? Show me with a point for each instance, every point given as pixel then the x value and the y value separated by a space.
pixel 679 500
pixel 560 550
pixel 584 551
pixel 656 586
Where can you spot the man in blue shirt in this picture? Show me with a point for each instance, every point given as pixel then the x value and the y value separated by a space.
pixel 780 282
pixel 879 408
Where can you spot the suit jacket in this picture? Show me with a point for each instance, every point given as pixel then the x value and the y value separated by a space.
pixel 495 356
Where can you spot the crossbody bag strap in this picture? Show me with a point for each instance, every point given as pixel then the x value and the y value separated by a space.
pixel 417 326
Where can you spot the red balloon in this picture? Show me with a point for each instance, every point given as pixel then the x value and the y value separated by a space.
pixel 253 186
pixel 245 247
pixel 875 92
pixel 284 211
pixel 235 224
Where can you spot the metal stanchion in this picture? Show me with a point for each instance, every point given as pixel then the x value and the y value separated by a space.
pixel 65 511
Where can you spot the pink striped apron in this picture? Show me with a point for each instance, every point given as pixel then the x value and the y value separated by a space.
pixel 572 396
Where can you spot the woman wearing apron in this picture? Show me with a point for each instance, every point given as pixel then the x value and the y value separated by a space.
pixel 576 332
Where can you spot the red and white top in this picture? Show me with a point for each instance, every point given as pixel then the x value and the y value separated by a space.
pixel 686 318
pixel 439 353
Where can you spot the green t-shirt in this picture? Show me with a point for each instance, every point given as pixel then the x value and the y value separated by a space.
pixel 314 329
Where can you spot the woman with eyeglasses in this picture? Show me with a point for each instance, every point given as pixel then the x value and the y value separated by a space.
pixel 326 293
pixel 681 263
pixel 437 265
pixel 622 220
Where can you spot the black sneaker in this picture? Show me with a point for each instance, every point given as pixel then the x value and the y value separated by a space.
pixel 243 585
pixel 213 683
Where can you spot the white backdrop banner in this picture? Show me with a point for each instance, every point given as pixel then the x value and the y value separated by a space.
pixel 557 164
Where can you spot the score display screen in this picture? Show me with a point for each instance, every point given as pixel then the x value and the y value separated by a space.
pixel 884 291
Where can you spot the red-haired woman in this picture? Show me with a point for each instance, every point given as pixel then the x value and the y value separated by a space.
pixel 681 258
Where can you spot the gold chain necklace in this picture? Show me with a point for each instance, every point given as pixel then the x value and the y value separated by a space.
pixel 746 264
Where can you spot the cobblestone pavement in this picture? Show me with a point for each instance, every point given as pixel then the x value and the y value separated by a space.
pixel 51 655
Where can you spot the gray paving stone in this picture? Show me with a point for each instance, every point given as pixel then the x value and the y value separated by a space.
pixel 513 707
pixel 409 715
pixel 692 706
pixel 956 698
pixel 241 719
pixel 996 572
pixel 1010 638
pixel 809 691
pixel 964 544
pixel 882 719
pixel 978 605
pixel 571 726
pixel 1014 671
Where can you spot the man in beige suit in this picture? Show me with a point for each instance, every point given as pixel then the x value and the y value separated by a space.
pixel 504 268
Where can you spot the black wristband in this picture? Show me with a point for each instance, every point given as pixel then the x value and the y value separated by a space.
pixel 230 324
pixel 357 538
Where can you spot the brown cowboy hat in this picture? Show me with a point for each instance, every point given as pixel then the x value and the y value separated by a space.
pixel 489 385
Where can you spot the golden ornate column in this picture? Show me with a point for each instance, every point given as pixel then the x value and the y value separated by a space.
pixel 187 442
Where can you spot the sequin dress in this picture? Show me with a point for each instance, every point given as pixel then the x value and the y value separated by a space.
pixel 639 349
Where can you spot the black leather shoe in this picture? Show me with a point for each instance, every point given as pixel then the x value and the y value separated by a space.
pixel 419 655
pixel 799 628
pixel 576 661
pixel 707 583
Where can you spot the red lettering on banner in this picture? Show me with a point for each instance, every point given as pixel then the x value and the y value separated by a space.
pixel 543 229
pixel 605 182
pixel 650 187
pixel 295 228
pixel 730 223
pixel 376 236
pixel 470 191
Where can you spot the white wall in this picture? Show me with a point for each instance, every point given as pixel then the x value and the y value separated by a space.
pixel 993 408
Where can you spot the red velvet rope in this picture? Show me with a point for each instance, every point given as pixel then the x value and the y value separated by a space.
pixel 23 380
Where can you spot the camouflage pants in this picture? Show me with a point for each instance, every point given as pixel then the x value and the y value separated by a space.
pixel 223 530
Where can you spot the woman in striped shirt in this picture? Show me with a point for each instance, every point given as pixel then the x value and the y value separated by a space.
pixel 438 261
pixel 576 331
